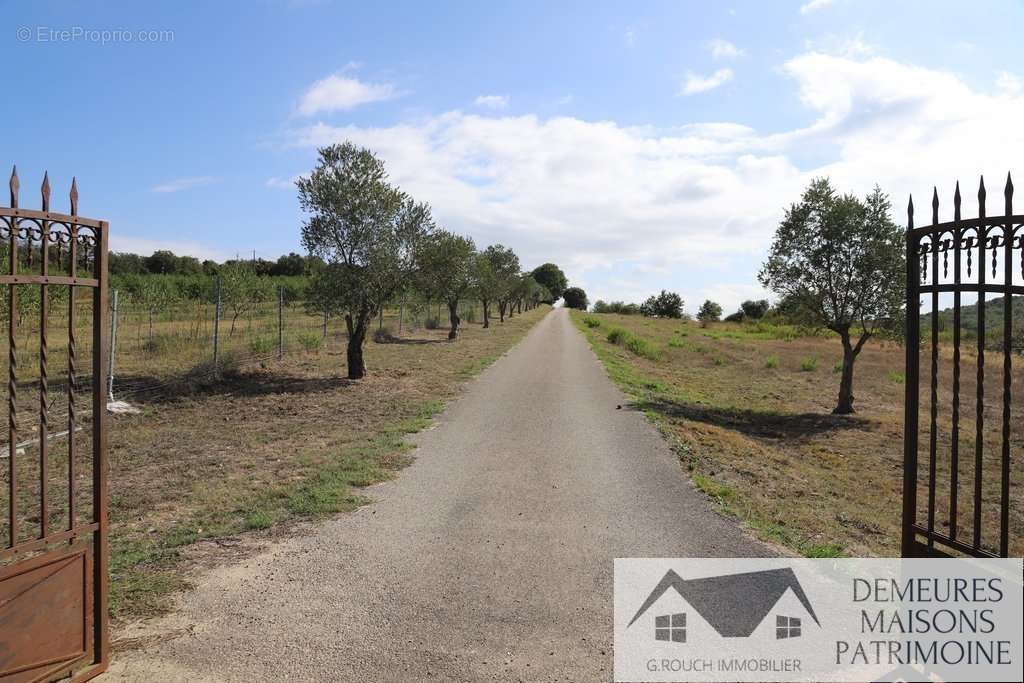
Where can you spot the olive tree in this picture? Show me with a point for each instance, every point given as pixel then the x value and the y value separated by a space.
pixel 495 270
pixel 710 312
pixel 839 263
pixel 366 231
pixel 446 264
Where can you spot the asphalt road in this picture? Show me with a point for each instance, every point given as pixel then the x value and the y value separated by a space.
pixel 490 558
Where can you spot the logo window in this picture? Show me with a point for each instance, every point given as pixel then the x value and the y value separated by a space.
pixel 787 627
pixel 670 627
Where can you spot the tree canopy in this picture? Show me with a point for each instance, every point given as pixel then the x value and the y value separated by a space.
pixel 838 262
pixel 576 298
pixel 551 276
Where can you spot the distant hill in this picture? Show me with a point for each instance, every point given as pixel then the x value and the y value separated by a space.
pixel 969 321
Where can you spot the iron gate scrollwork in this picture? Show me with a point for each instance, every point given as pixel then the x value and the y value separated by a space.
pixel 966 486
pixel 53 533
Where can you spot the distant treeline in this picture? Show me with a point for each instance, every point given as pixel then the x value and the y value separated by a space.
pixel 165 262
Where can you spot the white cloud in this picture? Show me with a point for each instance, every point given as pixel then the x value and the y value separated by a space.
pixel 282 183
pixel 629 37
pixel 492 101
pixel 695 83
pixel 814 5
pixel 723 49
pixel 1009 83
pixel 341 93
pixel 180 184
pixel 630 210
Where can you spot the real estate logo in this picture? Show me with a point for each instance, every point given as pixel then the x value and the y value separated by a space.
pixel 734 605
pixel 801 619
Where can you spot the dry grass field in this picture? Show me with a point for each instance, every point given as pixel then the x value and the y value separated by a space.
pixel 748 409
pixel 275 441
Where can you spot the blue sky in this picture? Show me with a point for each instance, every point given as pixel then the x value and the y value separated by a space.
pixel 641 146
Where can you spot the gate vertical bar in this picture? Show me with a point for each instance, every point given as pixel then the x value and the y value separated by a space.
pixel 1004 494
pixel 954 464
pixel 44 312
pixel 911 397
pixel 72 354
pixel 12 368
pixel 979 437
pixel 934 397
pixel 99 446
pixel 280 323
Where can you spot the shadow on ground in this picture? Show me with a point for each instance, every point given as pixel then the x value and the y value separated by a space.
pixel 755 423
pixel 152 390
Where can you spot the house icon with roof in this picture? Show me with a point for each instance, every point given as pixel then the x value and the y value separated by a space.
pixel 733 606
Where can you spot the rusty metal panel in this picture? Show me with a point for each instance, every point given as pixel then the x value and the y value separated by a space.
pixel 45 615
pixel 53 562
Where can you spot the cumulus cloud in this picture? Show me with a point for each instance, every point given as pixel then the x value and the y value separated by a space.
pixel 339 92
pixel 814 5
pixel 491 101
pixel 723 49
pixel 179 184
pixel 696 83
pixel 629 210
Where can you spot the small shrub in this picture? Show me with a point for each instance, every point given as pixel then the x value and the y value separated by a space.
pixel 676 343
pixel 591 322
pixel 838 367
pixel 718 360
pixel 617 336
pixel 809 364
pixel 384 335
pixel 262 345
pixel 771 362
pixel 310 341
pixel 897 377
pixel 642 347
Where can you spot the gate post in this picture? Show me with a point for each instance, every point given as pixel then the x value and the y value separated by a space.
pixel 101 344
pixel 910 422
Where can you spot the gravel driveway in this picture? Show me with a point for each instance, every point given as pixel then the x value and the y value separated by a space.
pixel 490 558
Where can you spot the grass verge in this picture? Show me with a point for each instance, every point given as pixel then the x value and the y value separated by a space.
pixel 286 443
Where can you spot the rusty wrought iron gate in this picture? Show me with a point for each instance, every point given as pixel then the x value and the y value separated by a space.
pixel 965 479
pixel 53 533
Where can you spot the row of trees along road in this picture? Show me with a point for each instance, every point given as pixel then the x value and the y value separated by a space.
pixel 377 244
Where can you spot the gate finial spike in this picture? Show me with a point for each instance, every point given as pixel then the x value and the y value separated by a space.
pixel 981 191
pixel 956 202
pixel 935 204
pixel 74 197
pixel 45 190
pixel 910 210
pixel 14 185
pixel 1008 194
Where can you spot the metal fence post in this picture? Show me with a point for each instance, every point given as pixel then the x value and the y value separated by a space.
pixel 113 343
pixel 216 330
pixel 280 323
pixel 325 323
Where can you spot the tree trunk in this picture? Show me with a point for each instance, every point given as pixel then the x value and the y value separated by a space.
pixel 501 310
pixel 356 336
pixel 453 318
pixel 845 405
pixel 487 321
pixel 520 306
